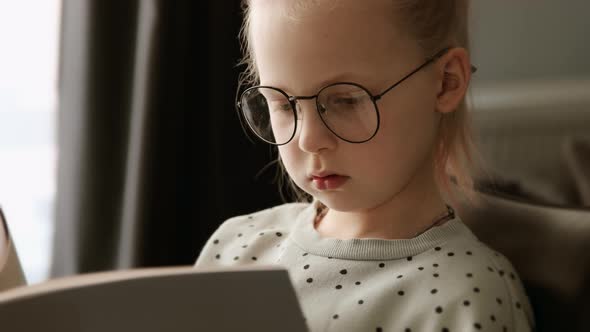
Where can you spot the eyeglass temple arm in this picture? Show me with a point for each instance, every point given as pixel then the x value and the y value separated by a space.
pixel 428 61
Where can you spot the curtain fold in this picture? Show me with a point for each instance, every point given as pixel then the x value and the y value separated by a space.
pixel 147 126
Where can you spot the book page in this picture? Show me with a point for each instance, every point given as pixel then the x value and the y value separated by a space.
pixel 257 298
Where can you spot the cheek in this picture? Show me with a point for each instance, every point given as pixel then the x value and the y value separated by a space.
pixel 409 119
pixel 406 137
pixel 290 159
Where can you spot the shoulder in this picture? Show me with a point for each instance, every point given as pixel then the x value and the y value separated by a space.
pixel 478 288
pixel 275 216
pixel 254 234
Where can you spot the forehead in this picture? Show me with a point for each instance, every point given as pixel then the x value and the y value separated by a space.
pixel 312 41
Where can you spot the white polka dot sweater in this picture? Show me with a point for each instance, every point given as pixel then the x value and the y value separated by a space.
pixel 442 280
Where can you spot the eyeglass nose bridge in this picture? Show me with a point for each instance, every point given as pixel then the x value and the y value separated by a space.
pixel 294 102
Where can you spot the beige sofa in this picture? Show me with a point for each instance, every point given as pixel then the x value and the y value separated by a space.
pixel 534 137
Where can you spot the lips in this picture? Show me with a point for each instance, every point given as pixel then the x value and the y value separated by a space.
pixel 328 181
pixel 323 174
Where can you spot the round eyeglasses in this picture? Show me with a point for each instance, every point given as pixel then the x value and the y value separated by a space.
pixel 347 109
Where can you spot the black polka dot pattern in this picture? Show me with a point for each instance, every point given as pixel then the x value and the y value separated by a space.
pixel 447 278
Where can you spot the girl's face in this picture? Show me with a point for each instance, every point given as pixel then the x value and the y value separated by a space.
pixel 352 41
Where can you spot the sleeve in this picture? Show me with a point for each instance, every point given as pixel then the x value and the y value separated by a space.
pixel 211 252
pixel 484 295
pixel 522 313
pixel 467 312
pixel 494 299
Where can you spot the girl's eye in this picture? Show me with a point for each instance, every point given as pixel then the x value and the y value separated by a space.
pixel 346 101
pixel 279 106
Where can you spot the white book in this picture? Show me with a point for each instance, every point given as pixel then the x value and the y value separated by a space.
pixel 175 299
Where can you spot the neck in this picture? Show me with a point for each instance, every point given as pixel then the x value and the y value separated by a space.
pixel 402 216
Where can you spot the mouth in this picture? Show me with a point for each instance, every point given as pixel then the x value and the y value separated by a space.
pixel 328 181
pixel 322 174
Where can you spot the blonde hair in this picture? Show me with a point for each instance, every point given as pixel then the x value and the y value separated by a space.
pixel 434 24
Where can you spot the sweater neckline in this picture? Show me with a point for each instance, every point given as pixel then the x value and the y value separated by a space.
pixel 310 240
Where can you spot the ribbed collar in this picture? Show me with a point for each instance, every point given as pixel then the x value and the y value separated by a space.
pixel 306 237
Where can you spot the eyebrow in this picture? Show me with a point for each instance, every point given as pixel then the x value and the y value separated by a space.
pixel 340 77
pixel 344 77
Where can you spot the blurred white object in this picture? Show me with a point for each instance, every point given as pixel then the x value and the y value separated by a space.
pixel 29 41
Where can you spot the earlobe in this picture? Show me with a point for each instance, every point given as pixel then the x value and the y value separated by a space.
pixel 456 73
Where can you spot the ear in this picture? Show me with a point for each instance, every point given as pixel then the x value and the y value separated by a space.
pixel 454 75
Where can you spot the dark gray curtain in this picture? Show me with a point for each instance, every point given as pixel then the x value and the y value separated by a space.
pixel 152 157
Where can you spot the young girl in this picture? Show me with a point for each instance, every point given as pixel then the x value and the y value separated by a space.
pixel 365 103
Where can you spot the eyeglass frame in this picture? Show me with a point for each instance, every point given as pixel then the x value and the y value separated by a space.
pixel 374 98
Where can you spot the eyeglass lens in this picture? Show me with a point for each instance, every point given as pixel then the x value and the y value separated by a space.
pixel 346 109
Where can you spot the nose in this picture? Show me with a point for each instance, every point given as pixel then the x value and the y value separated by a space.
pixel 312 134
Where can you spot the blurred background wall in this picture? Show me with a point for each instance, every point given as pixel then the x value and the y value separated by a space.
pixel 522 40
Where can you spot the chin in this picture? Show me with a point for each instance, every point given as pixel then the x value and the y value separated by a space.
pixel 341 201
